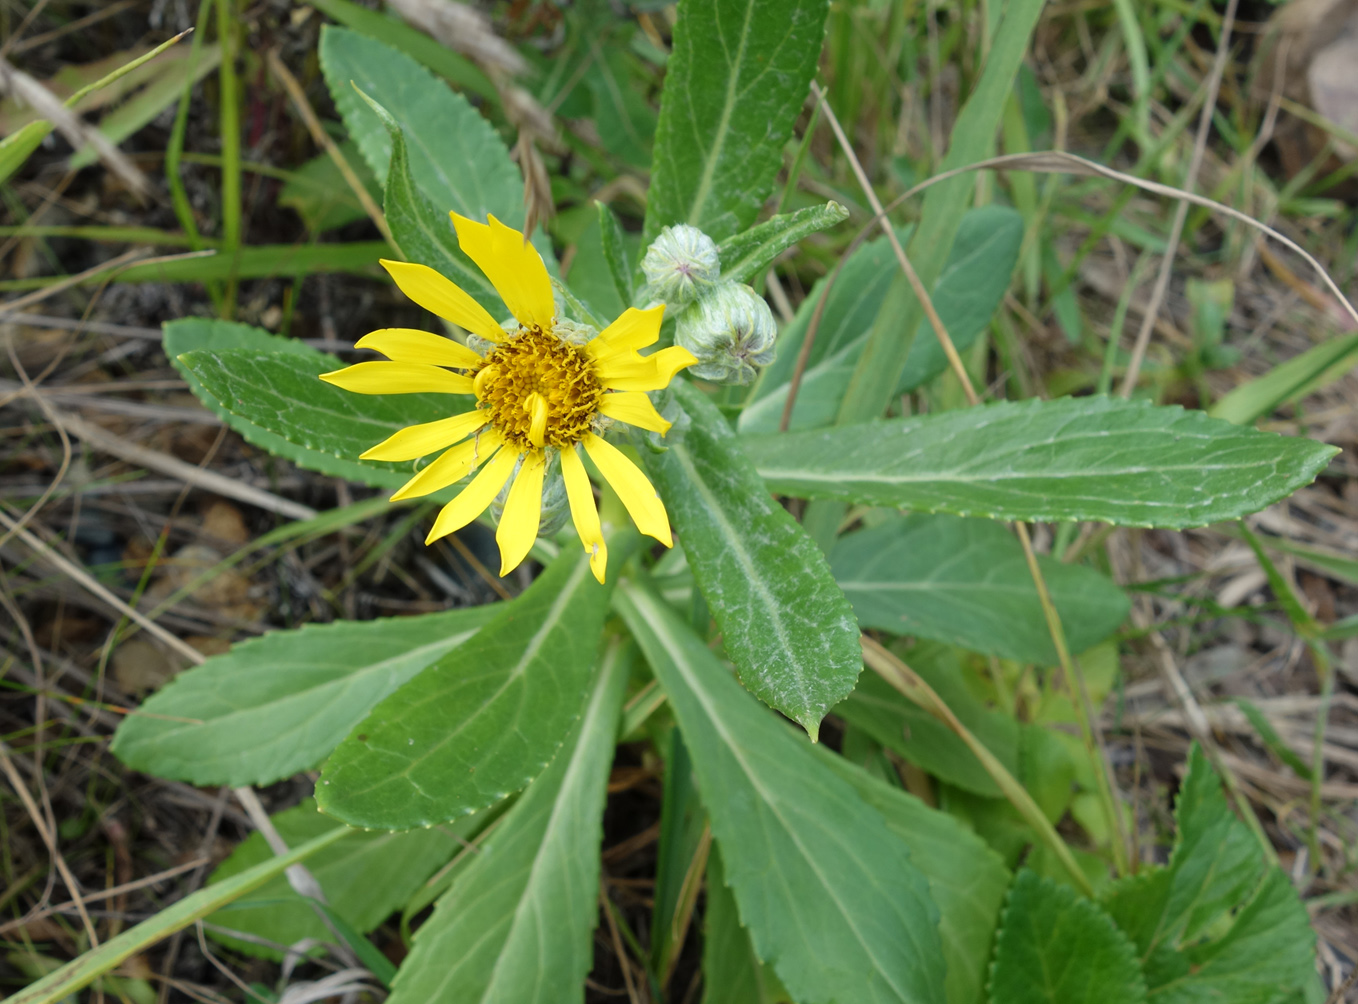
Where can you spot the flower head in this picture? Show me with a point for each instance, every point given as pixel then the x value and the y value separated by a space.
pixel 730 332
pixel 545 388
pixel 680 264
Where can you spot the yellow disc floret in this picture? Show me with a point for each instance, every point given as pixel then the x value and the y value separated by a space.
pixel 538 390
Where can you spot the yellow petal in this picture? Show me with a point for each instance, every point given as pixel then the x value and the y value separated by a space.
pixel 634 329
pixel 634 408
pixel 475 497
pixel 422 440
pixel 523 508
pixel 584 513
pixel 409 345
pixel 536 406
pixel 438 294
pixel 633 372
pixel 454 465
pixel 398 378
pixel 513 266
pixel 636 492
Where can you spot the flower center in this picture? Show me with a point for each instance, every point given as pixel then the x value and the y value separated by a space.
pixel 539 390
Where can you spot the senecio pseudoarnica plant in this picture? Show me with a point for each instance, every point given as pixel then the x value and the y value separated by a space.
pixel 655 383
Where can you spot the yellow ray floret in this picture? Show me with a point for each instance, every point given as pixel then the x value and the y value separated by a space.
pixel 540 398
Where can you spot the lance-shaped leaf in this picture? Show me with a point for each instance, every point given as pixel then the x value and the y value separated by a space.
pixel 316 423
pixel 746 255
pixel 515 927
pixel 735 83
pixel 830 897
pixel 456 158
pixel 966 581
pixel 481 722
pixel 967 880
pixel 784 622
pixel 275 705
pixel 1095 458
pixel 969 289
pixel 1056 947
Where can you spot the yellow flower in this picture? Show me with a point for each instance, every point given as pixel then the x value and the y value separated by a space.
pixel 538 396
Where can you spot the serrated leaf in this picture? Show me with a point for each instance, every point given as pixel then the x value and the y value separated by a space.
pixel 735 82
pixel 422 231
pixel 1056 947
pixel 515 926
pixel 310 422
pixel 746 255
pixel 195 333
pixel 456 159
pixel 1091 458
pixel 897 723
pixel 968 291
pixel 784 622
pixel 279 704
pixel 966 582
pixel 830 897
pixel 1175 915
pixel 732 973
pixel 480 723
pixel 365 879
pixel 967 880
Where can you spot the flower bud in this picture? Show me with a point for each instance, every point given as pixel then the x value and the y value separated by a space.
pixel 731 331
pixel 680 264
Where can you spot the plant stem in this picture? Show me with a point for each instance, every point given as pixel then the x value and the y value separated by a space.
pixel 229 99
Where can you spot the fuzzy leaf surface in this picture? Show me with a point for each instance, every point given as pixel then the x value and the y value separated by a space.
pixel 279 704
pixel 830 897
pixel 457 160
pixel 966 295
pixel 785 623
pixel 966 582
pixel 516 925
pixel 1091 458
pixel 967 880
pixel 1056 947
pixel 310 422
pixel 483 721
pixel 746 255
pixel 366 878
pixel 735 82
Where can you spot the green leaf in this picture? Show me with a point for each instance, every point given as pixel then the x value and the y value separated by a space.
pixel 897 723
pixel 966 581
pixel 1092 458
pixel 830 897
pixel 19 145
pixel 516 925
pixel 310 422
pixel 614 248
pixel 967 880
pixel 194 333
pixel 732 973
pixel 1178 916
pixel 746 255
pixel 883 363
pixel 1056 947
pixel 967 293
pixel 736 80
pixel 454 68
pixel 365 879
pixel 422 231
pixel 1302 375
pixel 624 119
pixel 481 722
pixel 784 622
pixel 456 159
pixel 279 704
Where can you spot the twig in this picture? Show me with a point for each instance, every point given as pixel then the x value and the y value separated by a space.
pixel 1143 335
pixel 940 332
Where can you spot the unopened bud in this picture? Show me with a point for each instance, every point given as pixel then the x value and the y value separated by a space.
pixel 731 331
pixel 680 263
